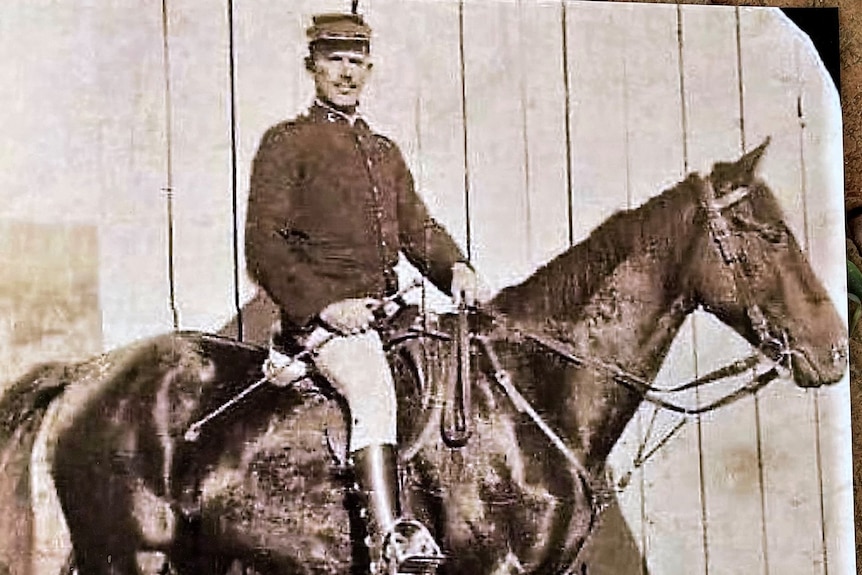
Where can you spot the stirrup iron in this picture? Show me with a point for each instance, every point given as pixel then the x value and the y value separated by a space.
pixel 410 549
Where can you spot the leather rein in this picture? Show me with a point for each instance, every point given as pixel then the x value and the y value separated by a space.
pixel 774 354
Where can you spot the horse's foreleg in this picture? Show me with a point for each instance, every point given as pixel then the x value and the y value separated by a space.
pixel 574 520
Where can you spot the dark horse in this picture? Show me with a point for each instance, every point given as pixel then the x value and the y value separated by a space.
pixel 270 495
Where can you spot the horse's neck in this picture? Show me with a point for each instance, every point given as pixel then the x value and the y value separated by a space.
pixel 624 292
pixel 630 325
pixel 627 317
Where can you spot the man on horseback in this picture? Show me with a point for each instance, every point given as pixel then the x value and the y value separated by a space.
pixel 331 205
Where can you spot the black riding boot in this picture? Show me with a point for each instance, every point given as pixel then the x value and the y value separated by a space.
pixel 395 545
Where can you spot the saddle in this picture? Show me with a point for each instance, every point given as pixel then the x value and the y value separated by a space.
pixel 406 334
pixel 452 336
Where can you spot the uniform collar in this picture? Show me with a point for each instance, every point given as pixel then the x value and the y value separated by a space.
pixel 325 112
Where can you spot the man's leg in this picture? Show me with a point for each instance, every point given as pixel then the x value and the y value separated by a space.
pixel 356 366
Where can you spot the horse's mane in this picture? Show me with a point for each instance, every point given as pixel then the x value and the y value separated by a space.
pixel 558 291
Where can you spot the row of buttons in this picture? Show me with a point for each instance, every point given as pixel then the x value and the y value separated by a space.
pixel 378 209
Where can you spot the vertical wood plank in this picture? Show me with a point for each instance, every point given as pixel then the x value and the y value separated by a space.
pixel 822 155
pixel 673 531
pixel 543 108
pixel 394 103
pixel 432 112
pixel 440 132
pixel 516 124
pixel 653 102
pixel 729 456
pixel 389 101
pixel 498 208
pixel 134 287
pixel 787 426
pixel 598 124
pixel 201 160
pixel 50 138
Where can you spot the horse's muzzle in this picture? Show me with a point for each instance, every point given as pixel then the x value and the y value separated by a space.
pixel 820 367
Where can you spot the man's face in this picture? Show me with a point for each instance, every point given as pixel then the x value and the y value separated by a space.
pixel 340 75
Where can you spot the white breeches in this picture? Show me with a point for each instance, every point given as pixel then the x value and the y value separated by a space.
pixel 356 367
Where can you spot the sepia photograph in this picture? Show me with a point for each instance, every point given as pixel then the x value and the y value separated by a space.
pixel 451 287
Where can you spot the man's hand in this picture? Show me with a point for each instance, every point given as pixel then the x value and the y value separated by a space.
pixel 466 282
pixel 349 315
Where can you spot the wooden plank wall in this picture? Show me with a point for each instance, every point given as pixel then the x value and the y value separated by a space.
pixel 526 124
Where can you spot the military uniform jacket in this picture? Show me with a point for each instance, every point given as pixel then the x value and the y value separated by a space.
pixel 331 203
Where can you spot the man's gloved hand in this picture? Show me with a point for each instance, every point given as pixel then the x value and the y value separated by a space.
pixel 283 370
pixel 349 315
pixel 467 282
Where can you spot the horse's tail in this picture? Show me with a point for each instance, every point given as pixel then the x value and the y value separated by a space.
pixel 22 410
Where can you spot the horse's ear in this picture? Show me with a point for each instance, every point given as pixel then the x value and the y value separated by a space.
pixel 748 162
pixel 740 173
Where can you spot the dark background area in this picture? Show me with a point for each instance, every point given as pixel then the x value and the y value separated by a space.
pixel 821 25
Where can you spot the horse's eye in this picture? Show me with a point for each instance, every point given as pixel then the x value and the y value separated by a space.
pixel 774 235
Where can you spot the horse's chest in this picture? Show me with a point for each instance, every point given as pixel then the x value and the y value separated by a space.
pixel 495 495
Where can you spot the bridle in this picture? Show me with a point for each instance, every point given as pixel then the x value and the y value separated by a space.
pixel 774 352
pixel 735 258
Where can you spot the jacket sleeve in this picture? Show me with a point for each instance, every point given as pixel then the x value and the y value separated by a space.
pixel 426 243
pixel 273 248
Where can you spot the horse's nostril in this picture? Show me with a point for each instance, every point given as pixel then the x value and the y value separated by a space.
pixel 839 354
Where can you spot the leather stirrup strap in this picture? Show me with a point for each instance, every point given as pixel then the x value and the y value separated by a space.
pixel 455 424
